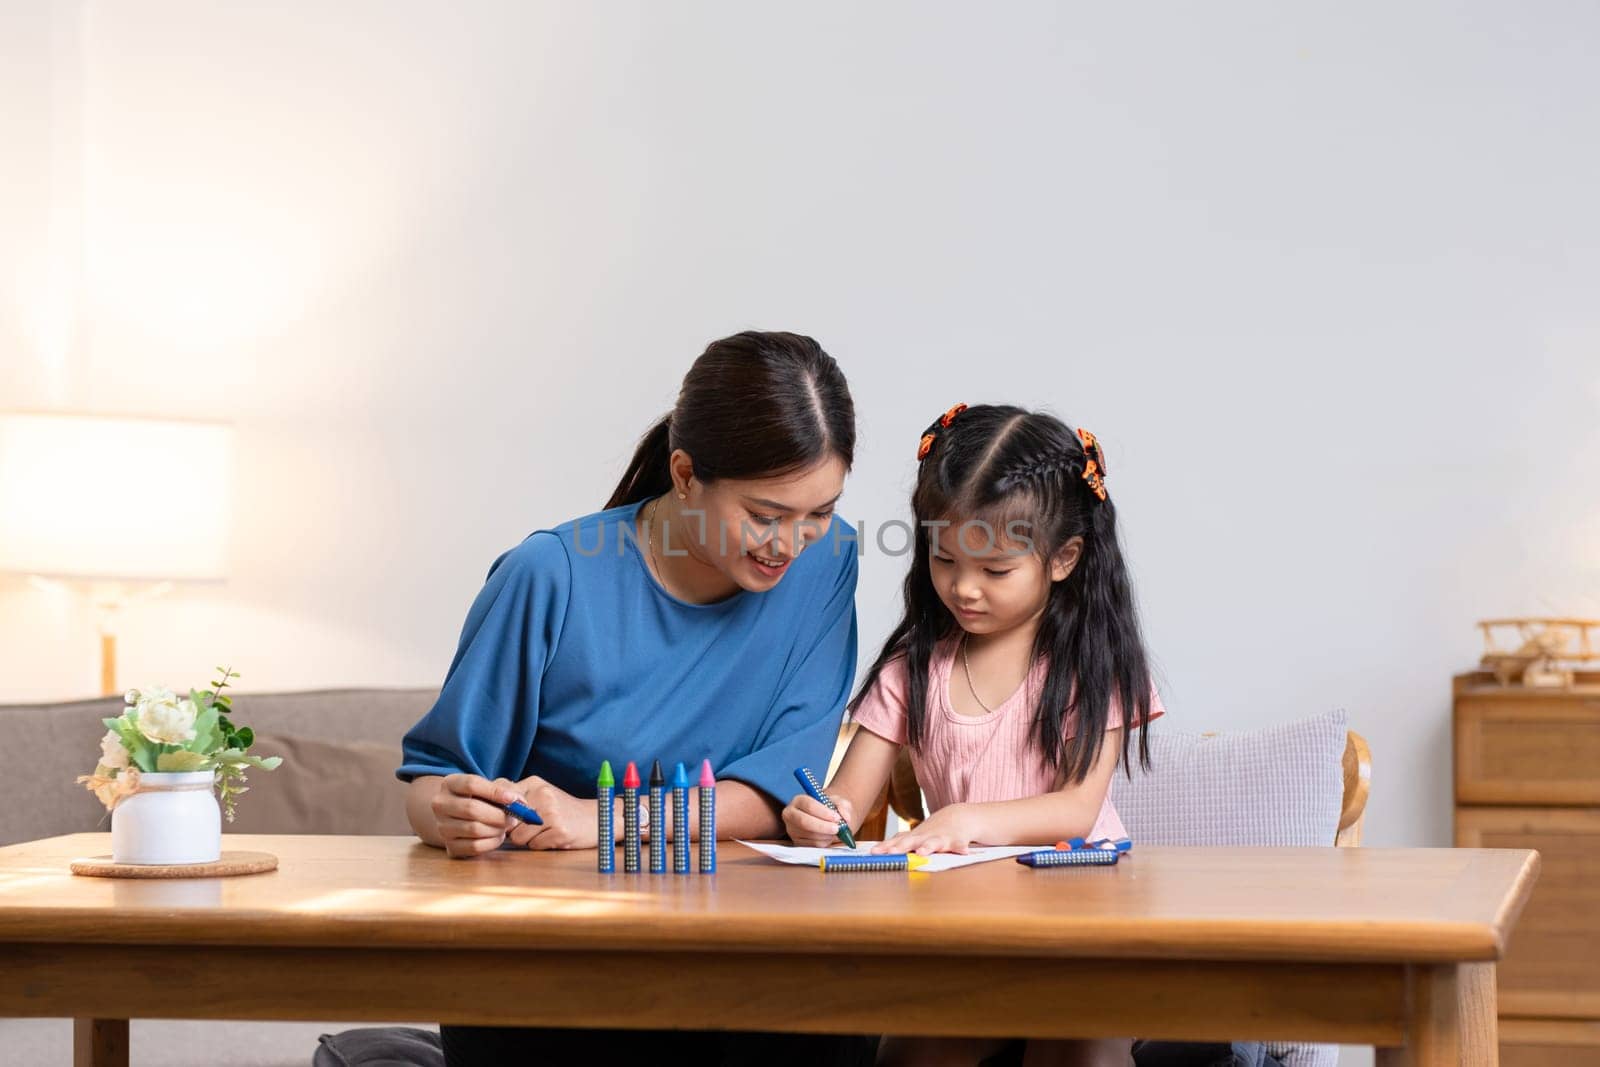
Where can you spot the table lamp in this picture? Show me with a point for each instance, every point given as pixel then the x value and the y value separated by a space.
pixel 114 506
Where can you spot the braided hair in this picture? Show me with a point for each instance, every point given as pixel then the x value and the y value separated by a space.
pixel 1027 474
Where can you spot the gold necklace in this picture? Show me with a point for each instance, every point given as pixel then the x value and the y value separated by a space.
pixel 650 542
pixel 967 666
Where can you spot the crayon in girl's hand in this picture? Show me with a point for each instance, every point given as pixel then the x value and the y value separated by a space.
pixel 708 819
pixel 808 782
pixel 658 820
pixel 680 821
pixel 605 841
pixel 630 819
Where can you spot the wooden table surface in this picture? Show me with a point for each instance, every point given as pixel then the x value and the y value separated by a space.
pixel 1316 943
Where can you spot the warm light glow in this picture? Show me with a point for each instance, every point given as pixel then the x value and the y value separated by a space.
pixel 85 496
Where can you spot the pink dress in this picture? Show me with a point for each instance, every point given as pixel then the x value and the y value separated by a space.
pixel 978 759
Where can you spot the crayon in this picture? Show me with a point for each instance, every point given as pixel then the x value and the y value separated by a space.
pixel 1076 857
pixel 680 821
pixel 630 819
pixel 605 834
pixel 521 811
pixel 846 861
pixel 808 782
pixel 708 819
pixel 658 820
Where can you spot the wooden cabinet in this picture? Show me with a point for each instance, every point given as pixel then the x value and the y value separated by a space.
pixel 1527 775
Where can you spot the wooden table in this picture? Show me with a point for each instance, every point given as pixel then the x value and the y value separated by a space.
pixel 1391 947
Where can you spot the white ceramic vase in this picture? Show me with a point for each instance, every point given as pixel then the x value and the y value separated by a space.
pixel 172 819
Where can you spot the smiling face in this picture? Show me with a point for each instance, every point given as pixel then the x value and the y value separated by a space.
pixel 990 582
pixel 751 530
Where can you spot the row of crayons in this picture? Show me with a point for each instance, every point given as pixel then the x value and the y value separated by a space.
pixel 605 792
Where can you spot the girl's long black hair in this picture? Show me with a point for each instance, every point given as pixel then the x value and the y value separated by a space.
pixel 753 405
pixel 1007 466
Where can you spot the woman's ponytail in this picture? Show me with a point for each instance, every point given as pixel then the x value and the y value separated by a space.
pixel 647 474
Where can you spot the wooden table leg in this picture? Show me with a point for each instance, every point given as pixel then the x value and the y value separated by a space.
pixel 1450 1018
pixel 99 1043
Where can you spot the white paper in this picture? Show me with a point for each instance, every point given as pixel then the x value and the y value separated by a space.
pixel 939 861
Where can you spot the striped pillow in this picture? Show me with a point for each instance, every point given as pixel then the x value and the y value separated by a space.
pixel 1282 785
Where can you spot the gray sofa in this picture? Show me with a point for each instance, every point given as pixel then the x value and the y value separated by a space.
pixel 340 749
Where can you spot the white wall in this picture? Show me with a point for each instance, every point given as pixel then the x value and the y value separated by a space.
pixel 1323 280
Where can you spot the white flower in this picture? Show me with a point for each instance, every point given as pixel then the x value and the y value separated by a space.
pixel 165 719
pixel 112 755
pixel 131 697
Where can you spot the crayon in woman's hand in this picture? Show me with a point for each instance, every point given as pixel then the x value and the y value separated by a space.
pixel 521 811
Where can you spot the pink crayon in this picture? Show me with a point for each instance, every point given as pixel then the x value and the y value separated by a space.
pixel 708 819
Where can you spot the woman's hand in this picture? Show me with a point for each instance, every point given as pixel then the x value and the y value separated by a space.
pixel 813 824
pixel 464 810
pixel 950 829
pixel 568 821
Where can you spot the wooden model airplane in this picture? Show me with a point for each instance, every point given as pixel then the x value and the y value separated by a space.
pixel 1544 644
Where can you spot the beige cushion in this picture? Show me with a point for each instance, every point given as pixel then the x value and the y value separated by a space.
pixel 323 787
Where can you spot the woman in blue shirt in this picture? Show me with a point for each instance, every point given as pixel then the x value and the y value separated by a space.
pixel 706 613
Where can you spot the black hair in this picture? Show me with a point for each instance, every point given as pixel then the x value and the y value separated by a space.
pixel 754 405
pixel 1006 466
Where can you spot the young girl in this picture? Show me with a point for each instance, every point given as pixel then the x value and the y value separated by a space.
pixel 1016 673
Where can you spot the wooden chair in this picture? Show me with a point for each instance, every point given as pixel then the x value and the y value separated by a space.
pixel 904 796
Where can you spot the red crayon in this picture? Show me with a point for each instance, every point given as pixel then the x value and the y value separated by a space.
pixel 630 819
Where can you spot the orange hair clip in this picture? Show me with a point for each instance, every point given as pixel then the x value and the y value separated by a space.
pixel 1094 464
pixel 931 434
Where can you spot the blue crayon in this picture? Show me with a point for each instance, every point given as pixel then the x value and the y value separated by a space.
pixel 630 819
pixel 680 821
pixel 808 782
pixel 658 820
pixel 863 861
pixel 521 811
pixel 708 819
pixel 605 841
pixel 1077 857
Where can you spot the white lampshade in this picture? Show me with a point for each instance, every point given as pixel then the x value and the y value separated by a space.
pixel 111 498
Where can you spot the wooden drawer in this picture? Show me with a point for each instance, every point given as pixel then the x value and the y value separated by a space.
pixel 1548 1043
pixel 1552 968
pixel 1528 749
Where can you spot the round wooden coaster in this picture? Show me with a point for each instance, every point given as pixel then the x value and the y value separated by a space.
pixel 229 864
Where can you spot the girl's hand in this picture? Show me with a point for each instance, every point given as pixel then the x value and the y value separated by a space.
pixel 568 821
pixel 468 821
pixel 813 824
pixel 950 829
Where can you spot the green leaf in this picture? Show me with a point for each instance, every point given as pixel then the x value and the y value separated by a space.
pixel 246 737
pixel 141 752
pixel 182 760
pixel 235 758
pixel 207 732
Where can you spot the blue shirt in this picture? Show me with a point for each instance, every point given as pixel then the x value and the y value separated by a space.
pixel 573 653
